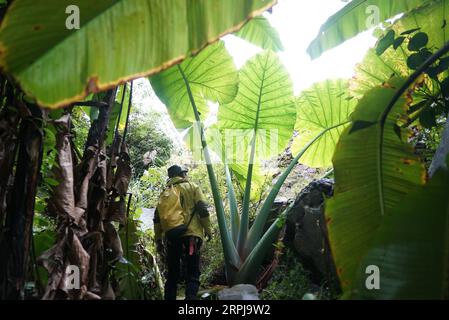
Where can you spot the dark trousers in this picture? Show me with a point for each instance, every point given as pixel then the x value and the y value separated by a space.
pixel 190 248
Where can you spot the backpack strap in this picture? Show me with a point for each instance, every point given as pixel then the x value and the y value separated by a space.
pixel 191 218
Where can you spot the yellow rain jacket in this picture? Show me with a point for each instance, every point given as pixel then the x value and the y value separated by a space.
pixel 193 201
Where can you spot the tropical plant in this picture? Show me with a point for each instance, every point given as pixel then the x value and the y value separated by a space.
pixel 387 210
pixel 56 67
pixel 374 169
pixel 412 241
pixel 289 282
pixel 262 110
pixel 148 145
pixel 381 194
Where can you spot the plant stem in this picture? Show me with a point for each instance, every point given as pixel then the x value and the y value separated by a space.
pixel 256 230
pixel 121 109
pixel 248 271
pixel 235 219
pixel 232 259
pixel 128 113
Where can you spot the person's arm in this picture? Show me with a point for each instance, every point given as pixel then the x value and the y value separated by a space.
pixel 157 227
pixel 201 208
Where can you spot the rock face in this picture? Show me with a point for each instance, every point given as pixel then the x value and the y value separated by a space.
pixel 239 292
pixel 307 233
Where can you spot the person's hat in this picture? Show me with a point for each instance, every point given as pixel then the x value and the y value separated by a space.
pixel 176 170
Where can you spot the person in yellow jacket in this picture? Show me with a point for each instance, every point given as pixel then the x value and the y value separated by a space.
pixel 195 211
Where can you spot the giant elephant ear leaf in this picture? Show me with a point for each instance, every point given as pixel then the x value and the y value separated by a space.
pixel 412 240
pixel 264 105
pixel 261 117
pixel 259 32
pixel 118 40
pixel 374 169
pixel 326 106
pixel 212 76
pixel 354 18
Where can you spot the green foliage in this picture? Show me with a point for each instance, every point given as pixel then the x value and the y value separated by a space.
pixel 49 161
pixel 426 141
pixel 42 241
pixel 198 174
pixel 136 274
pixel 419 38
pixel 290 280
pixel 116 41
pixel 81 124
pixel 374 169
pixel 148 146
pixel 411 246
pixel 376 216
pixel 265 88
pixel 263 104
pixel 417 35
pixel 418 41
pixel 148 187
pixel 212 262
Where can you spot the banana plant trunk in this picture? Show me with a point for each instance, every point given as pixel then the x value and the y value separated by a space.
pixel 16 239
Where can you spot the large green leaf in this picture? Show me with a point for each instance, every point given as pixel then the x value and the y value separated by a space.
pixel 375 70
pixel 321 107
pixel 264 105
pixel 374 169
pixel 260 120
pixel 118 40
pixel 212 77
pixel 411 246
pixel 258 31
pixel 356 17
